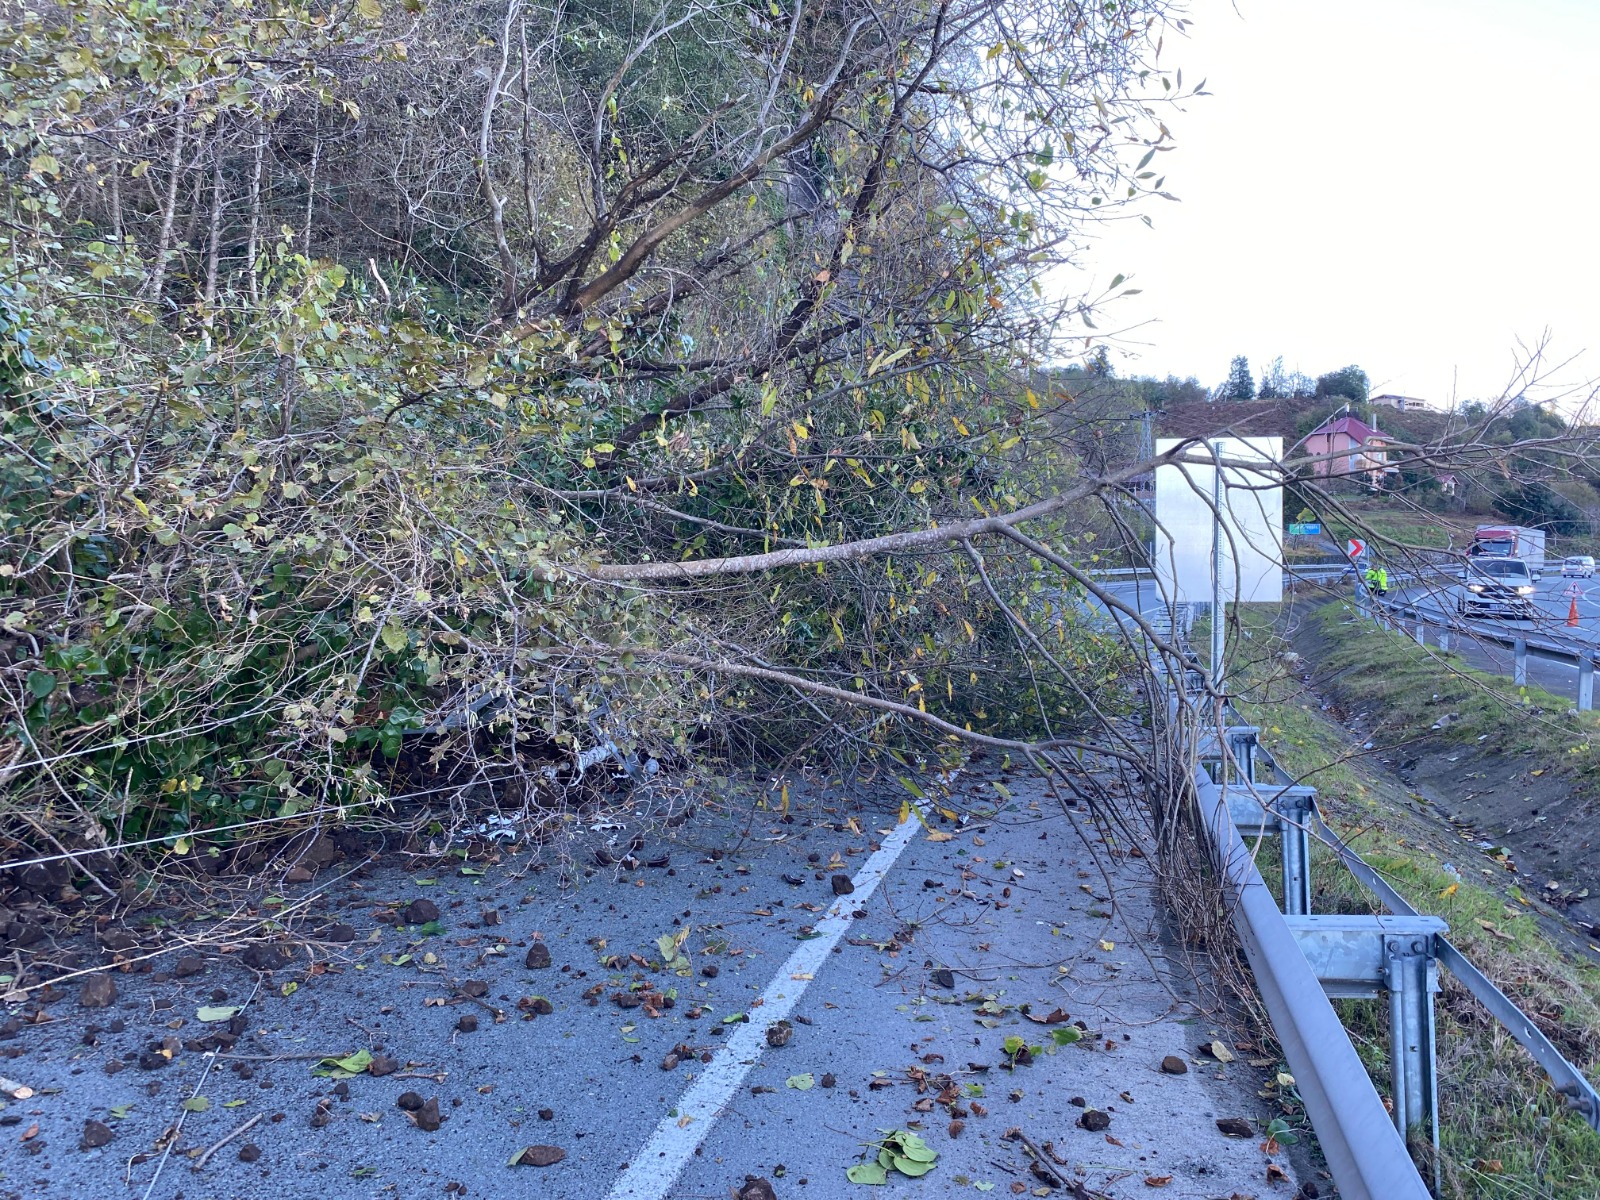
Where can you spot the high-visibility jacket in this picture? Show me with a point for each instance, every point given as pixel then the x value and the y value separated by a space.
pixel 1383 579
pixel 1372 577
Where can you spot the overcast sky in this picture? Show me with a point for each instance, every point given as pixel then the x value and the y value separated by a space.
pixel 1408 185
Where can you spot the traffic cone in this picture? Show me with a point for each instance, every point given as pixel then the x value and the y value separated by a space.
pixel 1572 613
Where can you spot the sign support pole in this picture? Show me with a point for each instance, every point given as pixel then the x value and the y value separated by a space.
pixel 1218 613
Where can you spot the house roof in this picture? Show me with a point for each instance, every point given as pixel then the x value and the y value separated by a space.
pixel 1354 427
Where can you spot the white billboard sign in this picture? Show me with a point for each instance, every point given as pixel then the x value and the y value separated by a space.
pixel 1249 532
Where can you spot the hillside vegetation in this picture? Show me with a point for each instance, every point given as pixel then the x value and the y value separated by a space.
pixel 364 370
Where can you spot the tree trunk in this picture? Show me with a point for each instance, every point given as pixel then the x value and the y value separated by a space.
pixel 253 245
pixel 169 211
pixel 214 233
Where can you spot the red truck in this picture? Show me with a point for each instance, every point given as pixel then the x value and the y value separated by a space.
pixel 1510 541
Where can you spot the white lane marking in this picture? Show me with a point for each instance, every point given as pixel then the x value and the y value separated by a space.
pixel 654 1170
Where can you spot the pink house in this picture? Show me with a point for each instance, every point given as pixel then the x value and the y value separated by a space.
pixel 1345 446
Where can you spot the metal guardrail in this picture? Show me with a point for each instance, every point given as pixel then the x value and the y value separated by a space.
pixel 1580 1094
pixel 1300 959
pixel 1338 566
pixel 1583 658
pixel 1365 1153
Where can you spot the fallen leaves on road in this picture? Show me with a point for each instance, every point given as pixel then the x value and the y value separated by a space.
pixel 900 1150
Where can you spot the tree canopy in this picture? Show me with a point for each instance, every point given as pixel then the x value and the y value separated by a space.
pixel 396 349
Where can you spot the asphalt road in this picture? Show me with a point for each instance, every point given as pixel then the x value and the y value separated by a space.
pixel 789 1027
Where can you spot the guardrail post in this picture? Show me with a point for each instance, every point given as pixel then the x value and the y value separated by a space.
pixel 1242 749
pixel 1422 632
pixel 1519 649
pixel 1295 808
pixel 1444 638
pixel 1585 683
pixel 1412 979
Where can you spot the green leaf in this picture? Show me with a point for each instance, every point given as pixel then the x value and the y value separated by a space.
pixel 1066 1036
pixel 343 1068
pixel 801 1083
pixel 233 1104
pixel 370 9
pixel 431 928
pixel 913 1147
pixel 121 1110
pixel 216 1012
pixel 196 1104
pixel 40 684
pixel 911 1166
pixel 395 638
pixel 913 788
pixel 867 1172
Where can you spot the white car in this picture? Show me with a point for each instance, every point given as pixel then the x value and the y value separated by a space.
pixel 1580 566
pixel 1496 587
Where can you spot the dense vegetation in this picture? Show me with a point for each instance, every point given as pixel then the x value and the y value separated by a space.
pixel 362 363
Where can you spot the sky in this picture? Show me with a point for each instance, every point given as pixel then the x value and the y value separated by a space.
pixel 1407 185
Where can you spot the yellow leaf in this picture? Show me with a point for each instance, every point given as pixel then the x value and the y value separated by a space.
pixel 939 835
pixel 905 811
pixel 370 9
pixel 1449 891
pixel 1107 946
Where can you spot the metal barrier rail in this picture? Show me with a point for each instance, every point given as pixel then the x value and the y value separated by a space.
pixel 1580 1094
pixel 1299 960
pixel 1365 1153
pixel 1338 566
pixel 1583 658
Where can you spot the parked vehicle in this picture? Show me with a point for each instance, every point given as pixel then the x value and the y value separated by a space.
pixel 1580 566
pixel 1510 541
pixel 1496 587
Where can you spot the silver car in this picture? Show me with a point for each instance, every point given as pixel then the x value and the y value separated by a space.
pixel 1496 587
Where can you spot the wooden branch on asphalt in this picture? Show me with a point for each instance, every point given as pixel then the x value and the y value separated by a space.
pixel 224 1140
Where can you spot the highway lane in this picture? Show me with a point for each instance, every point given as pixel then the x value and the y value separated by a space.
pixel 1437 600
pixel 1552 603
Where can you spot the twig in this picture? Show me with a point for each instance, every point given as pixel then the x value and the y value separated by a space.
pixel 497 1013
pixel 177 1128
pixel 436 1076
pixel 279 1057
pixel 1041 1163
pixel 224 1140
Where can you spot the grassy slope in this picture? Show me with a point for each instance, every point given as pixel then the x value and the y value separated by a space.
pixel 1436 531
pixel 1498 1109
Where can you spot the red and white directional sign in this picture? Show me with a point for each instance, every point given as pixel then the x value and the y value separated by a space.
pixel 1355 548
